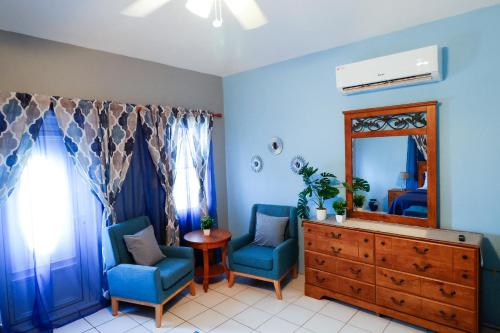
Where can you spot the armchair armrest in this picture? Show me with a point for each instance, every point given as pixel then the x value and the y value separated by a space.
pixel 178 252
pixel 285 256
pixel 135 282
pixel 238 243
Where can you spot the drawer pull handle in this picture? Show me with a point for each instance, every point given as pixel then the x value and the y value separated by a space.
pixel 395 301
pixel 421 251
pixel 383 259
pixel 355 290
pixel 309 243
pixel 382 242
pixel 335 250
pixel 450 294
pixel 336 236
pixel 396 281
pixel 465 276
pixel 320 262
pixel 320 280
pixel 366 255
pixel 446 317
pixel 421 269
pixel 355 271
pixel 465 257
pixel 366 240
pixel 309 230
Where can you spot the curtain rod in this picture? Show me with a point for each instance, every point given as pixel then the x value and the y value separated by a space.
pixel 215 115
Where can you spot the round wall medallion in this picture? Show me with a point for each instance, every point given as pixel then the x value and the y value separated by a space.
pixel 297 163
pixel 256 163
pixel 276 146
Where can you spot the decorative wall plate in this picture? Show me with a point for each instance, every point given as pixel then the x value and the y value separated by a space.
pixel 297 163
pixel 276 146
pixel 256 163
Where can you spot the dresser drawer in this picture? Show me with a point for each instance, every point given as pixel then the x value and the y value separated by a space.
pixel 356 289
pixel 449 293
pixel 398 281
pixel 339 249
pixel 465 277
pixel 321 279
pixel 464 259
pixel 337 233
pixel 399 301
pixel 449 315
pixel 424 267
pixel 321 262
pixel 356 270
pixel 422 250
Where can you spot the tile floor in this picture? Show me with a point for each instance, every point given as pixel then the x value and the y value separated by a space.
pixel 249 306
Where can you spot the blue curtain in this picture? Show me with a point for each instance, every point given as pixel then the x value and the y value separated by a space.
pixel 51 259
pixel 413 155
pixel 142 192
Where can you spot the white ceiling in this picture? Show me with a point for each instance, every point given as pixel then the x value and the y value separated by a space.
pixel 174 36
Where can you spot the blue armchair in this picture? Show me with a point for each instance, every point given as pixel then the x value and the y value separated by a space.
pixel 151 286
pixel 270 264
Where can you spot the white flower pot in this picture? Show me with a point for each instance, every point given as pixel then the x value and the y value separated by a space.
pixel 206 232
pixel 358 209
pixel 340 218
pixel 320 214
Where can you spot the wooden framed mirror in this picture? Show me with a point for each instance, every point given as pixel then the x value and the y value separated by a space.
pixel 393 148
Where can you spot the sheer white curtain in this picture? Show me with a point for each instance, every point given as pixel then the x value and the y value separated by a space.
pixel 51 234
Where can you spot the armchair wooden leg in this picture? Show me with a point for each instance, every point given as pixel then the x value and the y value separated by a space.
pixel 192 288
pixel 158 314
pixel 114 306
pixel 231 280
pixel 295 271
pixel 277 287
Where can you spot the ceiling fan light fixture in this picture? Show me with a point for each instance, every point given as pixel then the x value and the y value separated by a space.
pixel 217 23
pixel 142 8
pixel 202 8
pixel 247 12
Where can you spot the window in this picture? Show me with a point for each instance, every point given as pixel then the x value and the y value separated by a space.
pixel 51 225
pixel 187 185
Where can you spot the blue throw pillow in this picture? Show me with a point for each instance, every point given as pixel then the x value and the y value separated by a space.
pixel 270 230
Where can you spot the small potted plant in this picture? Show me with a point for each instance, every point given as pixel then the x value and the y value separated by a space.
pixel 318 189
pixel 358 200
pixel 206 223
pixel 358 184
pixel 339 206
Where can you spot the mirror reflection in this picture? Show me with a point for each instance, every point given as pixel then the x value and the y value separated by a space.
pixel 396 169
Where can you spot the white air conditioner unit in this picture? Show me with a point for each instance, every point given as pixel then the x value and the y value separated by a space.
pixel 395 70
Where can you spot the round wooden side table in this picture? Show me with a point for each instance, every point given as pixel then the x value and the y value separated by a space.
pixel 218 238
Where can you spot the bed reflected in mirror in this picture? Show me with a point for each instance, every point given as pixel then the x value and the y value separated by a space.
pixel 396 169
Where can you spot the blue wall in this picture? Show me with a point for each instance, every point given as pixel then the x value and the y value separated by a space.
pixel 298 101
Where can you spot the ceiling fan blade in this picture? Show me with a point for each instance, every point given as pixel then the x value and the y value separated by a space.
pixel 201 8
pixel 247 12
pixel 142 8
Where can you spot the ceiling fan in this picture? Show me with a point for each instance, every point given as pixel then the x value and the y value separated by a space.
pixel 247 12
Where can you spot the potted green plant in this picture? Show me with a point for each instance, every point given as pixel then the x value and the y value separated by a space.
pixel 318 189
pixel 339 206
pixel 206 223
pixel 358 184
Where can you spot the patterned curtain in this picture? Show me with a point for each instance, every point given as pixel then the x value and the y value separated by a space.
pixel 21 117
pixel 200 124
pixel 99 137
pixel 421 142
pixel 160 127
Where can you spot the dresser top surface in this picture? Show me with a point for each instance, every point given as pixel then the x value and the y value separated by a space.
pixel 441 235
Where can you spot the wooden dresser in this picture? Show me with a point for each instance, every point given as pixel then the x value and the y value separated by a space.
pixel 418 275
